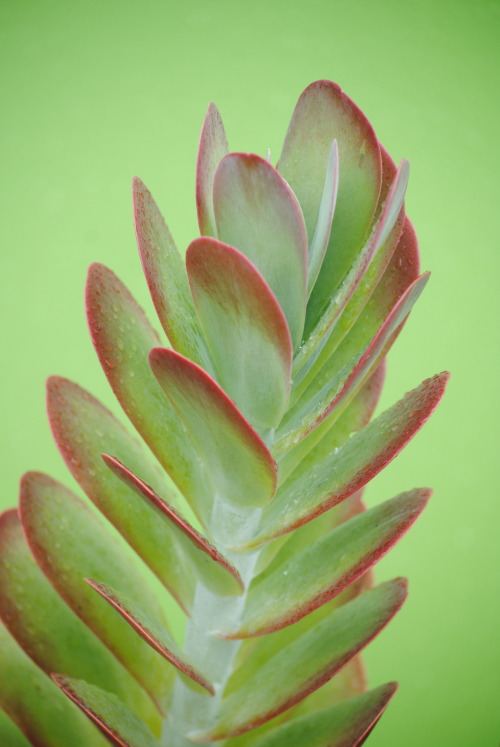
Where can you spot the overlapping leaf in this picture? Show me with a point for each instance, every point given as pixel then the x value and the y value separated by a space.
pixel 213 148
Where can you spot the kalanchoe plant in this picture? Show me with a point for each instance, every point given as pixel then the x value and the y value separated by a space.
pixel 256 424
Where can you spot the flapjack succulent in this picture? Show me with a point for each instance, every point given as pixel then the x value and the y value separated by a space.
pixel 240 502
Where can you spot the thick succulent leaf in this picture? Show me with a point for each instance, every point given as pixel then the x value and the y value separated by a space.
pixel 83 429
pixel 324 113
pixel 257 212
pixel 120 725
pixel 35 704
pixel 123 338
pixel 326 567
pixel 318 484
pixel 166 276
pixel 47 629
pixel 213 147
pixel 316 404
pixel 392 217
pixel 245 328
pixel 70 542
pixel 155 634
pixel 10 734
pixel 242 469
pixel 343 725
pixel 209 565
pixel 321 238
pixel 308 662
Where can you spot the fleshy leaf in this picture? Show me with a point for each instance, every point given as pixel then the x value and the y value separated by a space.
pixel 342 725
pixel 321 238
pixel 35 704
pixel 318 484
pixel 242 469
pixel 47 629
pixel 166 276
pixel 327 567
pixel 155 634
pixel 10 734
pixel 316 405
pixel 257 213
pixel 393 209
pixel 213 147
pixel 307 663
pixel 83 429
pixel 245 328
pixel 209 565
pixel 324 113
pixel 123 338
pixel 120 725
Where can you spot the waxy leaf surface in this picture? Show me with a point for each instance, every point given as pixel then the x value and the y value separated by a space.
pixel 318 484
pixel 123 338
pixel 48 630
pixel 325 568
pixel 324 113
pixel 257 213
pixel 208 564
pixel 245 328
pixel 83 429
pixel 166 276
pixel 320 240
pixel 37 706
pixel 10 734
pixel 307 663
pixel 241 467
pixel 119 724
pixel 213 148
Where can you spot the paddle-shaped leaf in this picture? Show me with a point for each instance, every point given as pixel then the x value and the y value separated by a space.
pixel 321 238
pixel 327 567
pixel 212 149
pixel 83 429
pixel 47 629
pixel 155 634
pixel 316 405
pixel 318 484
pixel 209 565
pixel 35 704
pixel 10 734
pixel 245 329
pixel 166 277
pixel 343 725
pixel 123 338
pixel 119 724
pixel 257 212
pixel 324 113
pixel 307 663
pixel 241 467
pixel 70 542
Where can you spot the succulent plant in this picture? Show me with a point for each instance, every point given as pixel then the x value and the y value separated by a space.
pixel 239 506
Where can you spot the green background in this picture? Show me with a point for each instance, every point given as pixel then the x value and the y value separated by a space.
pixel 94 92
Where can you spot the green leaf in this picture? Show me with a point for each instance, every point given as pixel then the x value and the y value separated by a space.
pixel 245 329
pixel 320 483
pixel 123 338
pixel 317 404
pixel 213 148
pixel 207 563
pixel 83 429
pixel 257 213
pixel 10 734
pixel 242 469
pixel 324 113
pixel 155 634
pixel 35 704
pixel 307 663
pixel 326 567
pixel 70 542
pixel 120 725
pixel 47 629
pixel 166 276
pixel 321 238
pixel 343 725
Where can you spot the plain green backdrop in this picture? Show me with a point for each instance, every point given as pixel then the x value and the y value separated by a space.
pixel 94 92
